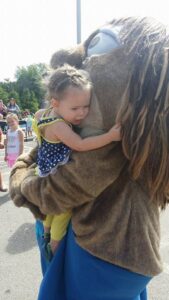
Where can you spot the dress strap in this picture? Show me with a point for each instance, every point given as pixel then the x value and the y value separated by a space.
pixel 36 130
pixel 47 110
pixel 38 125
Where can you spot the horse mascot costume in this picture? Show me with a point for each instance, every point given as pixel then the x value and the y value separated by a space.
pixel 111 250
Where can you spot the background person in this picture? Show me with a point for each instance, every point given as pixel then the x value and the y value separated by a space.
pixel 1 117
pixel 3 108
pixel 12 107
pixel 2 187
pixel 14 144
pixel 29 121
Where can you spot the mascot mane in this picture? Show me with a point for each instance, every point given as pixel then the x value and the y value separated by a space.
pixel 144 111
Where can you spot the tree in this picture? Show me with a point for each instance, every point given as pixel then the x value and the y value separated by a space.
pixel 29 82
pixel 3 95
pixel 8 90
pixel 29 100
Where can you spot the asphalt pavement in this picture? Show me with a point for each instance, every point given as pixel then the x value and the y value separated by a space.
pixel 20 273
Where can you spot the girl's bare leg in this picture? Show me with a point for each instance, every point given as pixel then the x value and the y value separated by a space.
pixel 2 187
pixel 54 245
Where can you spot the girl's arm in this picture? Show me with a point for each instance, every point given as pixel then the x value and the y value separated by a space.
pixel 4 108
pixel 21 141
pixel 17 108
pixel 5 145
pixel 65 134
pixel 1 139
pixel 0 135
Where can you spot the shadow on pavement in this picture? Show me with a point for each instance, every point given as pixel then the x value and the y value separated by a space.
pixel 22 240
pixel 4 198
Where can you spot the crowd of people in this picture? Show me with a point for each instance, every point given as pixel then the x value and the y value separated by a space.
pixel 25 116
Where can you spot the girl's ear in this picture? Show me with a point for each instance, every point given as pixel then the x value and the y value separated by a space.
pixel 54 102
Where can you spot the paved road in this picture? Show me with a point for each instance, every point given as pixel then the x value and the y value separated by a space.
pixel 20 273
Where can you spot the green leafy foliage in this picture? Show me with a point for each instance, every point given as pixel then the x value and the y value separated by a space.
pixel 28 89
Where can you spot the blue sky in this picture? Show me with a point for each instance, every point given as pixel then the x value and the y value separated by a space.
pixel 32 30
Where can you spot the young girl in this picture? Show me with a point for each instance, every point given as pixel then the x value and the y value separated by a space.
pixel 69 93
pixel 14 143
pixel 29 121
pixel 2 187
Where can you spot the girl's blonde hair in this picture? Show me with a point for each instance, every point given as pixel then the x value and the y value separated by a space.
pixel 13 116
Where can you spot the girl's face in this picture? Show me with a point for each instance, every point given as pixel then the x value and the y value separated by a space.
pixel 12 102
pixel 74 106
pixel 12 123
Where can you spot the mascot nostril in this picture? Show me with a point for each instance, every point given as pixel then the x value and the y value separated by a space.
pixel 114 192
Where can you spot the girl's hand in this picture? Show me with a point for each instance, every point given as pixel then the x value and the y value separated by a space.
pixel 1 146
pixel 115 132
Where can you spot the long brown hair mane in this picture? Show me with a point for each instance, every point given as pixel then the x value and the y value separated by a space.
pixel 144 113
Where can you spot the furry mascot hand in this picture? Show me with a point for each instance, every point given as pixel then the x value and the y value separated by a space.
pixel 23 168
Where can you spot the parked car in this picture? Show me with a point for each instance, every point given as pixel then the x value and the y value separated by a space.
pixel 3 126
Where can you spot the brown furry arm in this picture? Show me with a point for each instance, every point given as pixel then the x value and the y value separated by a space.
pixel 24 163
pixel 78 182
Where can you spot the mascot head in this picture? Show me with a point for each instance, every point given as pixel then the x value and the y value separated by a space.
pixel 128 64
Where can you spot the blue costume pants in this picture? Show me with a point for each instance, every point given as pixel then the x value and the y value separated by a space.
pixel 75 274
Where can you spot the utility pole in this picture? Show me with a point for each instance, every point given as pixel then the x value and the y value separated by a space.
pixel 78 20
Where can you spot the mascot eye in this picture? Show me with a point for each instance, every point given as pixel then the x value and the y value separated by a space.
pixel 104 41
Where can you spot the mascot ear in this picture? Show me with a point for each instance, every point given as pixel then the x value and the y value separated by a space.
pixel 72 56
